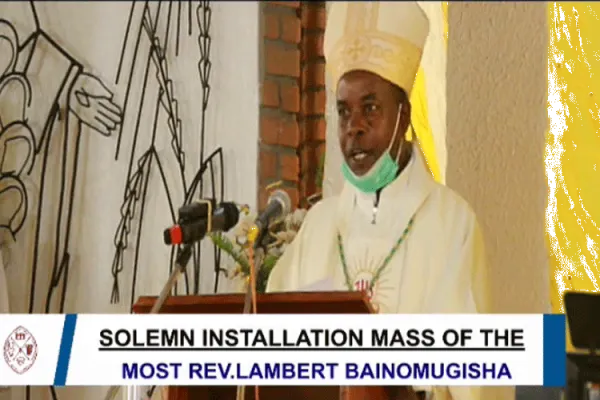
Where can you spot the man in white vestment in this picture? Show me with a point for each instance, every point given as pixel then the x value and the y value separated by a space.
pixel 412 244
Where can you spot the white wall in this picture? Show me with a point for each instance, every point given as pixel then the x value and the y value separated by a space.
pixel 93 32
pixel 497 120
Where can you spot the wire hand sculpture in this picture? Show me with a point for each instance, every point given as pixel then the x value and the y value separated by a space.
pixel 39 141
pixel 32 125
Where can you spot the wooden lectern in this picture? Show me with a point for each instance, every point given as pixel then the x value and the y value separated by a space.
pixel 272 303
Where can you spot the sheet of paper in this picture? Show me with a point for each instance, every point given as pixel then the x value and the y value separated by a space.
pixel 326 285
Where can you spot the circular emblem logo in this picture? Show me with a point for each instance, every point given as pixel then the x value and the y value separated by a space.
pixel 20 350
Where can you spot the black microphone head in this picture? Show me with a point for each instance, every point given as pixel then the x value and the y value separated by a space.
pixel 197 209
pixel 231 214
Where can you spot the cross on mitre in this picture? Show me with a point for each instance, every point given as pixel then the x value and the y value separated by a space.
pixel 385 38
pixel 357 50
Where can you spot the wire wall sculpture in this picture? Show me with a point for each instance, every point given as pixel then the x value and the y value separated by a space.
pixel 41 118
pixel 33 126
pixel 167 103
pixel 137 184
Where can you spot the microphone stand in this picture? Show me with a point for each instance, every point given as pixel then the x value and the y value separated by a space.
pixel 258 248
pixel 183 258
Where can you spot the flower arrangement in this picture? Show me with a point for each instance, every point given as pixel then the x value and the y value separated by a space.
pixel 278 237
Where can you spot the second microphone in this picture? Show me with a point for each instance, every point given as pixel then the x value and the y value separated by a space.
pixel 225 217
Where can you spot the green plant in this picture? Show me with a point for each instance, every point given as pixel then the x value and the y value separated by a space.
pixel 236 246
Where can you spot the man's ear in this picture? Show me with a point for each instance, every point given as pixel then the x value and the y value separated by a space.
pixel 405 114
pixel 406 110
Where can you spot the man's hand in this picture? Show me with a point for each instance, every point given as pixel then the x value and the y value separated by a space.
pixel 92 103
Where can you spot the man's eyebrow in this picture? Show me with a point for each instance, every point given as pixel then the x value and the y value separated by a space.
pixel 366 97
pixel 369 97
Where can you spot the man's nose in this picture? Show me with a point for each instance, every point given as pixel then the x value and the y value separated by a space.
pixel 356 125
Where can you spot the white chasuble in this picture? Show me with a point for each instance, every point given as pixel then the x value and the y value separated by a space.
pixel 429 236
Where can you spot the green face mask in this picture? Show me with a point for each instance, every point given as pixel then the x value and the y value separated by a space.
pixel 381 174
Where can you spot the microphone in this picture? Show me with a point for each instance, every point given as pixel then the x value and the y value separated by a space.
pixel 279 204
pixel 222 219
pixel 195 221
pixel 196 210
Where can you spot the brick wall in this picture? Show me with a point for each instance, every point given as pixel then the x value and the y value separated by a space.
pixel 312 83
pixel 293 98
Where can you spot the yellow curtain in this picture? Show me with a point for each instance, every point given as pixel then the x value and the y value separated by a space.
pixel 573 148
pixel 428 98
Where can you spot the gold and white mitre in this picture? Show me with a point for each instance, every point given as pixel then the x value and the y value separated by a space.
pixel 386 38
